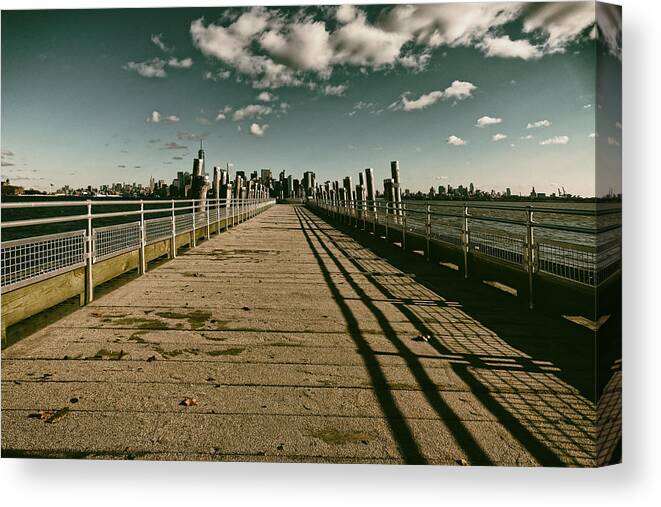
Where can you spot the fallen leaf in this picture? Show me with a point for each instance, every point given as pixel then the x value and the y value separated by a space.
pixel 188 402
pixel 462 462
pixel 59 414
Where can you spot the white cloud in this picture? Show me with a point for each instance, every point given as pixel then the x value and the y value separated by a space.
pixel 302 45
pixel 538 124
pixel 448 24
pixel 221 116
pixel 483 121
pixel 266 97
pixel 185 63
pixel 555 140
pixel 346 13
pixel 526 138
pixel 334 90
pixel 587 106
pixel 498 137
pixel 363 44
pixel 458 90
pixel 156 117
pixel 560 22
pixel 150 68
pixel 504 47
pixel 158 40
pixel 258 130
pixel 217 76
pixel 592 135
pixel 455 141
pixel 251 111
pixel 156 66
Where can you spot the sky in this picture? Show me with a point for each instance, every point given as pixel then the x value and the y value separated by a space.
pixel 497 94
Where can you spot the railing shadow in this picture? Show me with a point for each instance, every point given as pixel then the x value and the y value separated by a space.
pixel 537 390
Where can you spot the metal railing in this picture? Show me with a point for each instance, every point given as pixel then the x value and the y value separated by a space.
pixel 38 257
pixel 580 246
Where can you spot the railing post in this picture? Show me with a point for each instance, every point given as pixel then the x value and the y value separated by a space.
pixel 193 238
pixel 89 258
pixel 387 220
pixel 173 240
pixel 428 229
pixel 218 217
pixel 530 255
pixel 465 239
pixel 142 264
pixel 375 218
pixel 207 212
pixel 404 230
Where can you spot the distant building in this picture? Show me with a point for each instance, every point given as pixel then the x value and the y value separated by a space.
pixel 9 189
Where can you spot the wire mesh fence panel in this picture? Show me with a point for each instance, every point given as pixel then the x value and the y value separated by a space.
pixel 115 239
pixel 183 223
pixel 504 248
pixel 569 262
pixel 157 229
pixel 28 260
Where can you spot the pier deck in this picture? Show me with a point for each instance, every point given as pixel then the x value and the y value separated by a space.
pixel 286 339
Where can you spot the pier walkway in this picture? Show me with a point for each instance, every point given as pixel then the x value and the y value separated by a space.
pixel 287 339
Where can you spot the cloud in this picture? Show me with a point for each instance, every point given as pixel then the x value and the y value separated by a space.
pixel 158 40
pixel 274 47
pixel 539 124
pixel 258 130
pixel 251 111
pixel 191 136
pixel 613 142
pixel 336 91
pixel 483 121
pixel 504 47
pixel 7 164
pixel 156 117
pixel 174 146
pixel 177 158
pixel 346 13
pixel 498 137
pixel 301 45
pixel 559 22
pixel 217 76
pixel 7 153
pixel 266 97
pixel 458 90
pixel 455 141
pixel 202 120
pixel 555 140
pixel 528 137
pixel 220 116
pixel 150 68
pixel 618 125
pixel 121 166
pixel 185 63
pixel 592 135
pixel 153 141
pixel 587 106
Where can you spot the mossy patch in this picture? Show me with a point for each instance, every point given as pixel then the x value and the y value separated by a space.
pixel 227 352
pixel 196 318
pixel 141 323
pixel 177 352
pixel 109 354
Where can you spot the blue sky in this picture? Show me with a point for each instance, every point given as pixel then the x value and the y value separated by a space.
pixel 501 95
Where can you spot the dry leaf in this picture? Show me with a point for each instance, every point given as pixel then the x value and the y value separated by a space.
pixel 189 402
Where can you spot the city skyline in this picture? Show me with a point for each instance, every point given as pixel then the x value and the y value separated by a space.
pixel 504 100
